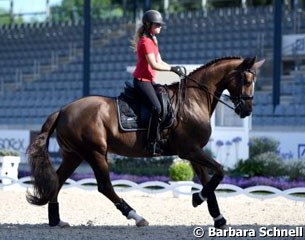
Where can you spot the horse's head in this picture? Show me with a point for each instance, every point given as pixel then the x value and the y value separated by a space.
pixel 241 85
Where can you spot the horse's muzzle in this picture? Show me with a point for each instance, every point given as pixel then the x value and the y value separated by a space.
pixel 242 111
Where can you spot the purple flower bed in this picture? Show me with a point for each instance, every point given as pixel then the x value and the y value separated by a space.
pixel 280 183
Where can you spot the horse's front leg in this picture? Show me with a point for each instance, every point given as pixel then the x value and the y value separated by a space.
pixel 219 220
pixel 200 162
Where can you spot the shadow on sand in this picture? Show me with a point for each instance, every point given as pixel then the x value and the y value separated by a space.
pixel 43 231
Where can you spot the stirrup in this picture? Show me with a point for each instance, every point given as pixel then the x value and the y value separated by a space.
pixel 154 148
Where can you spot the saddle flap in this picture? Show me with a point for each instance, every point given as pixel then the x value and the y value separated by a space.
pixel 134 115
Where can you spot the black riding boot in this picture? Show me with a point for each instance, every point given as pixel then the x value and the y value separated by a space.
pixel 153 134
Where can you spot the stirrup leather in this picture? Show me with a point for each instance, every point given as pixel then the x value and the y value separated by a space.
pixel 154 148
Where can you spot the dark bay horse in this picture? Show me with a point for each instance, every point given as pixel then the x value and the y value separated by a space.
pixel 87 129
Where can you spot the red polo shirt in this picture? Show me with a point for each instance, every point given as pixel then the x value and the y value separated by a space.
pixel 143 70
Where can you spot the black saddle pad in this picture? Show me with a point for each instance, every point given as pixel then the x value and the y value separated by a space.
pixel 133 115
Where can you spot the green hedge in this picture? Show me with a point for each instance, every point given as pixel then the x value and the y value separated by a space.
pixel 7 152
pixel 141 166
pixel 295 169
pixel 264 164
pixel 259 145
pixel 264 160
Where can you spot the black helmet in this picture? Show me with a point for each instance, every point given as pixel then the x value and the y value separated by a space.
pixel 152 16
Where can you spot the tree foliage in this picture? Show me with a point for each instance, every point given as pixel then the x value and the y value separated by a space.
pixel 5 18
pixel 72 10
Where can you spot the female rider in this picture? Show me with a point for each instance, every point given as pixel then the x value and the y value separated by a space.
pixel 148 61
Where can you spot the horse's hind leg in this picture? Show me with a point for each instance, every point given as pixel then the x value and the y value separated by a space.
pixel 69 164
pixel 99 165
pixel 219 220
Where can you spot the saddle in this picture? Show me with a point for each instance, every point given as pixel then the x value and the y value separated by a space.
pixel 134 115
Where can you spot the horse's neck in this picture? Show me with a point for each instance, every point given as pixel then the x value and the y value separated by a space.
pixel 204 92
pixel 213 80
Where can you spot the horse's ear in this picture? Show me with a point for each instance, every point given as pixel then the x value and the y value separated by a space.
pixel 247 63
pixel 258 64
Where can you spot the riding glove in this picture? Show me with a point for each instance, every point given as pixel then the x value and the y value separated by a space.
pixel 178 70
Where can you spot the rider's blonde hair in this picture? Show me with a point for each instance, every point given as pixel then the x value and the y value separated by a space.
pixel 134 41
pixel 142 30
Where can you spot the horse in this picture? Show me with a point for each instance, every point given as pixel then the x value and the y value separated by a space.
pixel 87 129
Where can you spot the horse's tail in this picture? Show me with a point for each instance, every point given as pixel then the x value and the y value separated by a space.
pixel 45 177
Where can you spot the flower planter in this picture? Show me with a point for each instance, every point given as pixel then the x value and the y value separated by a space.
pixel 9 168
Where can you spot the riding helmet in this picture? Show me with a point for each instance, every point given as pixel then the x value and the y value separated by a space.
pixel 152 16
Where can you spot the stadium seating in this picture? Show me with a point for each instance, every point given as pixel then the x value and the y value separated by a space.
pixel 41 64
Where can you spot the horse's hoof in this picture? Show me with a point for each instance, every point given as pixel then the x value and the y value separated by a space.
pixel 63 224
pixel 142 223
pixel 196 200
pixel 221 223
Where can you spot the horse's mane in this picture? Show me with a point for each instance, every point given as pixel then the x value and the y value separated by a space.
pixel 216 60
pixel 181 86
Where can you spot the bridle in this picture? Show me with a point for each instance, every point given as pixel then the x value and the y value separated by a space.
pixel 237 100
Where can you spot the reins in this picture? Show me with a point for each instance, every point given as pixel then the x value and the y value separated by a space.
pixel 206 89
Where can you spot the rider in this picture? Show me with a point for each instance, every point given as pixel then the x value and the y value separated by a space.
pixel 148 61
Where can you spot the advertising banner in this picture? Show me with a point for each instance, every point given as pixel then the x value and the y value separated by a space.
pixel 15 140
pixel 293 44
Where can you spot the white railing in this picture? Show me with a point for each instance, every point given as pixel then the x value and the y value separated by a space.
pixel 155 187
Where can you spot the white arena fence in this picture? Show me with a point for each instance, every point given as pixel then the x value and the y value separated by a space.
pixel 178 188
pixel 155 187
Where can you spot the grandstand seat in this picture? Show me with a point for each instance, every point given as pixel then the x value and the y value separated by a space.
pixel 280 110
pixel 262 98
pixel 300 110
pixel 225 32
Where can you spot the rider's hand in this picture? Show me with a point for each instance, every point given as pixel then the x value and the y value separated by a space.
pixel 178 70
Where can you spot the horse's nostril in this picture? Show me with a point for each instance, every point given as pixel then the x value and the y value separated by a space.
pixel 247 113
